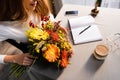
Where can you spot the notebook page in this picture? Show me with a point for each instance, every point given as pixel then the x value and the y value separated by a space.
pixel 79 24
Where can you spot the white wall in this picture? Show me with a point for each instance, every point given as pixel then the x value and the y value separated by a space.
pixel 111 3
pixel 105 3
pixel 80 2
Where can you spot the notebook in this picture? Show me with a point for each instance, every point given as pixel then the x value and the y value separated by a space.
pixel 81 24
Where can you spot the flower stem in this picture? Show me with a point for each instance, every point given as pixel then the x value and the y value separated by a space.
pixel 32 64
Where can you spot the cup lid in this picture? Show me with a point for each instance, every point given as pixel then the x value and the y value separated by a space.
pixel 101 50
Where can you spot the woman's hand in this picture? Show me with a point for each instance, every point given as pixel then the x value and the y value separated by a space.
pixel 63 30
pixel 21 59
pixel 58 26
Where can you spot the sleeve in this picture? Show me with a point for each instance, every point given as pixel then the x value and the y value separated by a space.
pixel 2 38
pixel 3 33
pixel 2 58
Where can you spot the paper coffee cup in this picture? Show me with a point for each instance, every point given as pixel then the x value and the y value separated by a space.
pixel 100 52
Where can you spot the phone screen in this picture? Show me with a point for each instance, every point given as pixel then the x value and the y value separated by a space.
pixel 71 12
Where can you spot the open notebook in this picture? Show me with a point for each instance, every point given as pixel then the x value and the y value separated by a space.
pixel 81 23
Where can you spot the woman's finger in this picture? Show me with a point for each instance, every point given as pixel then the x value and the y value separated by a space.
pixel 26 63
pixel 29 56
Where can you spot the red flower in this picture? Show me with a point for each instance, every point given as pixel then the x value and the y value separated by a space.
pixel 64 60
pixel 54 35
pixel 31 24
pixel 45 18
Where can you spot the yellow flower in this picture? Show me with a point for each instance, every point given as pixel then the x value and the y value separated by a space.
pixel 49 25
pixel 52 53
pixel 66 45
pixel 38 50
pixel 39 45
pixel 36 34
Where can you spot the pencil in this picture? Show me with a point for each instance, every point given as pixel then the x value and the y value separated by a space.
pixel 84 29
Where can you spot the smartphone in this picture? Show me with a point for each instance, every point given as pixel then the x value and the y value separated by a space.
pixel 75 12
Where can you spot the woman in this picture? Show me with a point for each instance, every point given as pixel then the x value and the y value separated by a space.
pixel 14 20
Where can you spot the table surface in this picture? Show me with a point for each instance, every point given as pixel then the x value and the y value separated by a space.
pixel 83 65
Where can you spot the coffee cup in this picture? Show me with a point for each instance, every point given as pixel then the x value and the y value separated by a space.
pixel 101 52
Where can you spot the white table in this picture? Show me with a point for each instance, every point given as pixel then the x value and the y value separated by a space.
pixel 83 65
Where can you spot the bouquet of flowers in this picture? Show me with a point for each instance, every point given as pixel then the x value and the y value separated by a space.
pixel 48 42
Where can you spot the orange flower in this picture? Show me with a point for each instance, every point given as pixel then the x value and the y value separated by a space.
pixel 64 60
pixel 54 35
pixel 64 63
pixel 52 53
